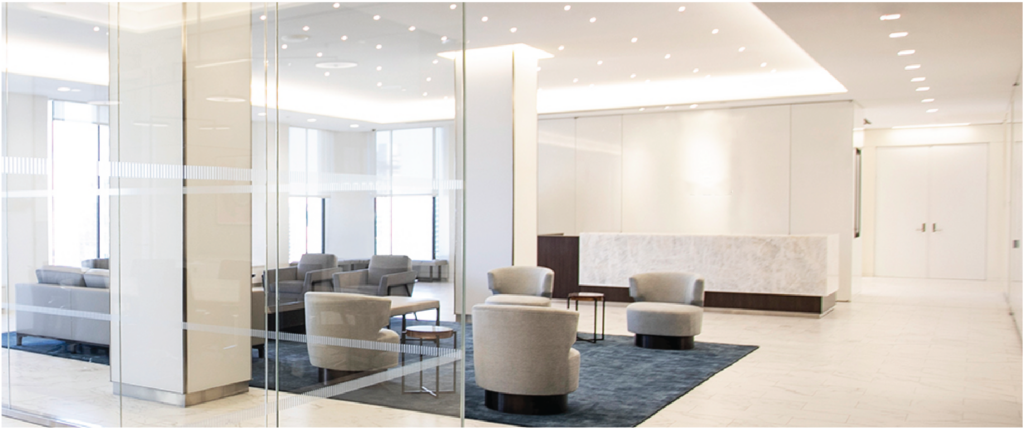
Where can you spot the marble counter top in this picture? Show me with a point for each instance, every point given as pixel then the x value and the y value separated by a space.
pixel 803 265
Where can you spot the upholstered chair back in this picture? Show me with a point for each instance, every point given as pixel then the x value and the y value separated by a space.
pixel 525 350
pixel 381 265
pixel 523 280
pixel 315 262
pixel 668 287
pixel 341 317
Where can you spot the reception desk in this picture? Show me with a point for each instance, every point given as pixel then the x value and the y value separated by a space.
pixel 788 273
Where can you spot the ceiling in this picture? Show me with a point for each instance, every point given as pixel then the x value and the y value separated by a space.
pixel 970 55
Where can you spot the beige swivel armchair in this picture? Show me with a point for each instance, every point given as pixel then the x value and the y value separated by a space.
pixel 668 311
pixel 388 275
pixel 345 335
pixel 524 359
pixel 313 273
pixel 521 285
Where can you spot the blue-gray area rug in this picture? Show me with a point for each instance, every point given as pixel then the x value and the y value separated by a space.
pixel 57 348
pixel 621 385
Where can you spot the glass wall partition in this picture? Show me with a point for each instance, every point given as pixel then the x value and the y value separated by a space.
pixel 200 227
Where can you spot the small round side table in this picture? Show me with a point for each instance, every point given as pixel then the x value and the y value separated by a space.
pixel 589 297
pixel 433 333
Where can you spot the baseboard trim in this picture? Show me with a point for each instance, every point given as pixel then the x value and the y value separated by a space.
pixel 42 420
pixel 180 399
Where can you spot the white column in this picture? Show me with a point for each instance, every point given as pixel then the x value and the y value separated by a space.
pixel 501 162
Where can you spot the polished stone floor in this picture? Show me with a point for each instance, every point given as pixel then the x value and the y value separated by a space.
pixel 903 353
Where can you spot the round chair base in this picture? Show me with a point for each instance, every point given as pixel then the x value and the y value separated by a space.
pixel 526 405
pixel 651 341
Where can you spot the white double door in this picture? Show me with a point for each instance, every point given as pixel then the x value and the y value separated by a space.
pixel 930 211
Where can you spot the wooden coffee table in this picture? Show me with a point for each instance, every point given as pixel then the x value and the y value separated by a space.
pixel 589 297
pixel 435 334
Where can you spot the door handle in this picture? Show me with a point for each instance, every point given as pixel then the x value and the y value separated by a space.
pixel 924 228
pixel 934 230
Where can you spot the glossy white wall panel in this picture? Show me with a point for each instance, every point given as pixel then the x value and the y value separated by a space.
pixel 556 176
pixel 821 193
pixel 524 153
pixel 707 172
pixel 599 174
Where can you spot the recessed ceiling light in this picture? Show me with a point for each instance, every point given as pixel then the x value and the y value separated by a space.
pixel 764 64
pixel 906 52
pixel 668 107
pixel 263 17
pixel 327 73
pixel 898 34
pixel 696 70
pixel 575 80
pixel 667 56
pixel 225 99
pixel 305 28
pixel 633 40
pixel 284 46
pixel 434 62
pixel 484 19
pixel 641 109
pixel 444 38
pixel 336 65
pixel 693 106
pixel 538 68
pixel 261 114
pixel 890 17
pixel 931 110
pixel 927 100
pixel 923 88
pixel 380 46
pixel 380 84
pixel 742 48
pixel 599 62
pixel 452 6
pixel 412 28
pixel 424 94
pixel 63 89
pixel 918 79
pixel 95 29
pixel 428 79
pixel 561 47
pixel 354 125
pixel 715 31
pixel 344 37
pixel 632 76
pixel 379 68
pixel 513 30
pixel 567 7
pixel 376 17
pixel 593 19
pixel 319 54
pixel 682 8
pixel 337 5
pixel 912 67
pixel 311 120
pixel 295 38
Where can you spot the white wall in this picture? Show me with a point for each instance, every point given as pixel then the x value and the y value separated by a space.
pixel 762 170
pixel 997 206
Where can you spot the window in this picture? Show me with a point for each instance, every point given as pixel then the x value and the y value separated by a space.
pixel 305 207
pixel 79 204
pixel 405 208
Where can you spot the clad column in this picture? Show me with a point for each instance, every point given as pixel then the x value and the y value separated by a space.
pixel 181 213
pixel 500 196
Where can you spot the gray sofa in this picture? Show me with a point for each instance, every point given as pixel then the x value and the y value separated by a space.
pixel 387 274
pixel 79 300
pixel 313 273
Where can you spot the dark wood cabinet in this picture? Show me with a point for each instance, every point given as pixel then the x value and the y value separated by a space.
pixel 561 254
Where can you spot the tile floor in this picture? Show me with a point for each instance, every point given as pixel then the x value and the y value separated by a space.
pixel 904 353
